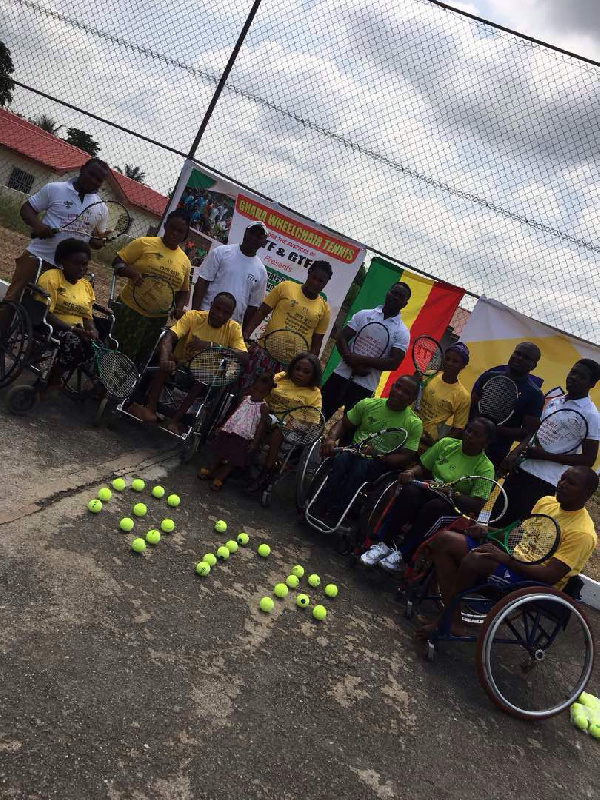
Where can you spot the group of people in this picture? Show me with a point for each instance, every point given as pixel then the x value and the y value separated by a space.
pixel 206 215
pixel 447 438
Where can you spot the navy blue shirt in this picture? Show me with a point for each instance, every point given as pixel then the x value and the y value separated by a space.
pixel 529 404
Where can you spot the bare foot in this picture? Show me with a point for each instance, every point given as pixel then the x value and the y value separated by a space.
pixel 170 425
pixel 425 631
pixel 142 413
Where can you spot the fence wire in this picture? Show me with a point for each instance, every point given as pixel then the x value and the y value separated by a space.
pixel 463 149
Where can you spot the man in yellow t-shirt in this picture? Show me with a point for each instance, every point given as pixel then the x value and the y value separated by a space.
pixel 445 403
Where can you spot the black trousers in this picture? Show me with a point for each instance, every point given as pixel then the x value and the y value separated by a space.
pixel 338 391
pixel 523 491
pixel 414 506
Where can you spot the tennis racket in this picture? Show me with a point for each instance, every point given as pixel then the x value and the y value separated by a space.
pixel 378 444
pixel 301 426
pixel 498 399
pixel 531 541
pixel 283 345
pixel 562 431
pixel 118 220
pixel 427 357
pixel 116 372
pixel 495 504
pixel 154 295
pixel 215 366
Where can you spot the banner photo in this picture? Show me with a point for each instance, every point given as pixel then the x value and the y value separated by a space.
pixel 430 309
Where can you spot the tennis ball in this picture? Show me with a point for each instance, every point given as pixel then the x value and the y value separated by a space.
pixel 581 722
pixel 126 524
pixel 118 484
pixel 280 590
pixel 243 539
pixel 266 604
pixel 314 580
pixel 264 550
pixel 298 571
pixel 158 492
pixel 202 568
pixel 139 510
pixel 303 600
pixel 223 553
pixel 220 526
pixel 594 730
pixel 167 525
pixel 138 485
pixel 153 536
pixel 138 545
pixel 292 581
pixel 173 500
pixel 231 546
pixel 331 590
pixel 319 612
pixel 95 506
pixel 104 494
pixel 210 559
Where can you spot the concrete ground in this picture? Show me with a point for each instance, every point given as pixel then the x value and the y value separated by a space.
pixel 127 677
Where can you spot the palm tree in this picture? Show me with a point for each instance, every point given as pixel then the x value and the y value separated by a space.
pixel 135 173
pixel 47 124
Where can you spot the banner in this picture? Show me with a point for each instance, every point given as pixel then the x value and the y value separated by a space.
pixel 429 310
pixel 220 211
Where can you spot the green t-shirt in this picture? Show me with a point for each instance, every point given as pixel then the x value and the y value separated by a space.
pixel 447 462
pixel 372 415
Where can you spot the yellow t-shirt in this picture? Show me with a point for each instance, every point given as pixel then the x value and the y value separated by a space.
pixel 195 323
pixel 286 395
pixel 70 302
pixel 443 406
pixel 578 537
pixel 149 256
pixel 293 311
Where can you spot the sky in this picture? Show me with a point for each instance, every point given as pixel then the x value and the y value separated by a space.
pixel 403 126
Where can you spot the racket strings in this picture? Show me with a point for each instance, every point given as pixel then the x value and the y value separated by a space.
pixel 154 294
pixel 302 427
pixel 533 539
pixel 215 367
pixel 284 345
pixel 498 399
pixel 427 356
pixel 562 431
pixel 372 340
pixel 117 372
pixel 384 442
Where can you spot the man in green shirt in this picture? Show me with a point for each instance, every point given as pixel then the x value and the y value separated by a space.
pixel 371 415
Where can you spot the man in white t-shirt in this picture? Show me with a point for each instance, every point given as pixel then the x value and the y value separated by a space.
pixel 60 202
pixel 538 475
pixel 356 377
pixel 234 268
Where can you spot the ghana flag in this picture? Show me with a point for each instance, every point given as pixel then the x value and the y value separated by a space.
pixel 429 310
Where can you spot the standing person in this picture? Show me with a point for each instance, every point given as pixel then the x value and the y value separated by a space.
pixel 137 329
pixel 445 402
pixel 538 475
pixel 526 416
pixel 356 376
pixel 60 202
pixel 237 269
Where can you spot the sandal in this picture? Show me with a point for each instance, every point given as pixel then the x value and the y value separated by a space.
pixel 216 485
pixel 205 474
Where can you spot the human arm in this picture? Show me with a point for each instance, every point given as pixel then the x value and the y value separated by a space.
pixel 30 217
pixel 248 315
pixel 260 428
pixel 251 322
pixel 200 289
pixel 341 427
pixel 527 428
pixel 316 343
pixel 165 352
pixel 179 301
pixel 550 573
pixel 587 457
pixel 387 363
pixel 343 338
pixel 124 263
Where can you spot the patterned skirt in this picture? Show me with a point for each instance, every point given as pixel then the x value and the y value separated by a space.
pixel 137 335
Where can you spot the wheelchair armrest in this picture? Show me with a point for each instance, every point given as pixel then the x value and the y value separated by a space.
pixel 37 290
pixel 103 310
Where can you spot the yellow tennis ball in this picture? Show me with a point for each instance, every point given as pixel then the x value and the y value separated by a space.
pixel 594 730
pixel 266 604
pixel 319 612
pixel 153 536
pixel 581 722
pixel 138 485
pixel 220 526
pixel 243 539
pixel 280 590
pixel 95 506
pixel 140 510
pixel 167 525
pixel 292 581
pixel 223 553
pixel 210 559
pixel 231 546
pixel 104 494
pixel 303 600
pixel 202 568
pixel 118 484
pixel 138 545
pixel 126 524
pixel 173 500
pixel 158 492
pixel 298 571
pixel 331 590
pixel 313 580
pixel 264 550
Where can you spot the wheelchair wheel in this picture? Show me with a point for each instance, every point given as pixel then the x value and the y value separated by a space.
pixel 21 399
pixel 535 653
pixel 265 498
pixel 81 382
pixel 16 341
pixel 190 447
pixel 100 411
pixel 307 468
pixel 371 511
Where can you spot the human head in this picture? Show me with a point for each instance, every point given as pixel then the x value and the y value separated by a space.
pixel 403 393
pixel 318 276
pixel 305 370
pixel 396 298
pixel 221 309
pixel 524 359
pixel 479 434
pixel 92 175
pixel 177 227
pixel 575 487
pixel 456 358
pixel 255 237
pixel 583 376
pixel 73 256
pixel 261 386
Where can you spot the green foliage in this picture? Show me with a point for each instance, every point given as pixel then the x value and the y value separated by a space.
pixel 6 70
pixel 47 124
pixel 135 173
pixel 10 218
pixel 83 140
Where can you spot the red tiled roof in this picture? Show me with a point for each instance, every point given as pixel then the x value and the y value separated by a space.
pixel 32 142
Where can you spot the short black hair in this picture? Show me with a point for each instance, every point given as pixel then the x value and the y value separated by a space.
pixel 179 213
pixel 95 161
pixel 593 367
pixel 69 247
pixel 488 426
pixel 324 266
pixel 229 296
pixel 412 379
pixel 315 363
pixel 533 348
pixel 405 286
pixel 590 478
pixel 264 376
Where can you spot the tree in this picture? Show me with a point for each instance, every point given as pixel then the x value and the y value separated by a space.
pixel 83 140
pixel 135 173
pixel 6 70
pixel 47 124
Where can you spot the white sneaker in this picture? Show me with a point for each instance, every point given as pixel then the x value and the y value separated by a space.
pixel 374 554
pixel 392 562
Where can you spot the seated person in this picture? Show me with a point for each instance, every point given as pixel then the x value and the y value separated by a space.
pixel 299 385
pixel 462 562
pixel 371 415
pixel 194 332
pixel 448 460
pixel 445 403
pixel 69 307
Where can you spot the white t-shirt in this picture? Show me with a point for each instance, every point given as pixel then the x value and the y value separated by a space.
pixel 229 270
pixel 547 470
pixel 399 339
pixel 62 203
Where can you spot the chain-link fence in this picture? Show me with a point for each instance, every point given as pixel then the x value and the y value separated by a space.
pixel 465 150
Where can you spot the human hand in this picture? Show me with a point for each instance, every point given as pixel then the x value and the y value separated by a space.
pixel 489 550
pixel 178 313
pixel 478 532
pixel 406 477
pixel 93 334
pixel 327 447
pixel 42 231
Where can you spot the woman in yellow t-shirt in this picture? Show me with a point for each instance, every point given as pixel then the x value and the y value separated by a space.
pixel 137 329
pixel 69 306
pixel 445 402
